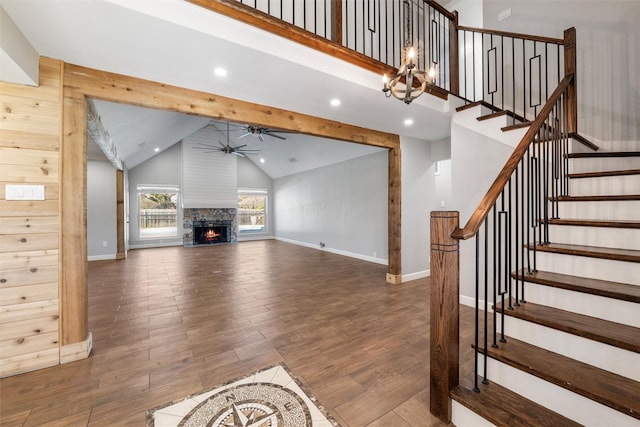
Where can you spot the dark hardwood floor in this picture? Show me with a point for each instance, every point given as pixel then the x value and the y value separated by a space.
pixel 170 322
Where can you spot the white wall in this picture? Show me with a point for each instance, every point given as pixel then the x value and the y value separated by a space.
pixel 101 210
pixel 418 181
pixel 476 160
pixel 163 169
pixel 251 176
pixel 608 56
pixel 344 205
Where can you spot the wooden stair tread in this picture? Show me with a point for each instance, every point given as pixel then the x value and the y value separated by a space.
pixel 493 115
pixel 605 198
pixel 615 254
pixel 612 333
pixel 609 389
pixel 600 154
pixel 515 126
pixel 468 106
pixel 595 223
pixel 475 104
pixel 584 141
pixel 505 408
pixel 604 288
pixel 576 137
pixel 605 174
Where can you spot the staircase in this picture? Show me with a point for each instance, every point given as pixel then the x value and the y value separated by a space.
pixel 571 354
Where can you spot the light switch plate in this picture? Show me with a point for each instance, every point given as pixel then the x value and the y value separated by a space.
pixel 23 192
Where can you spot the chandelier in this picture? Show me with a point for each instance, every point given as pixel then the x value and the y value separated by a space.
pixel 416 81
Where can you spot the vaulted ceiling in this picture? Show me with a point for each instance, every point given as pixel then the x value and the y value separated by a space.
pixel 178 43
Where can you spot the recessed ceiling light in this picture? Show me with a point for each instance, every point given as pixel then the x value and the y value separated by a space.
pixel 408 122
pixel 156 149
pixel 335 102
pixel 220 72
pixel 261 160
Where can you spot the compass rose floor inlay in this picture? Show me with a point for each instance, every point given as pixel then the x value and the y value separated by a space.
pixel 268 398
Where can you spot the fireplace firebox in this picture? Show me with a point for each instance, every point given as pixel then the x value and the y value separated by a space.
pixel 210 232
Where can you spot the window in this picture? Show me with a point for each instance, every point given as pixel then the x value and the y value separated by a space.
pixel 252 211
pixel 157 212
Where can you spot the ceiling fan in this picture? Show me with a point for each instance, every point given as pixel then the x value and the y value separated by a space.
pixel 259 132
pixel 227 148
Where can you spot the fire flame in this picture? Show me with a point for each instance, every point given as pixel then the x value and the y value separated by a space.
pixel 211 235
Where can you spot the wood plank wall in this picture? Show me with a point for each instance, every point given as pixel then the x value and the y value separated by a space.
pixel 30 122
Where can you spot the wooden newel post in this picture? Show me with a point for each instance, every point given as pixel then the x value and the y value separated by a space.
pixel 445 343
pixel 570 67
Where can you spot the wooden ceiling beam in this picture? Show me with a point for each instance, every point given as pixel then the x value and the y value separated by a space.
pixel 130 90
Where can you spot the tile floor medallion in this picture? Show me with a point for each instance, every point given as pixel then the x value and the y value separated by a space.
pixel 268 398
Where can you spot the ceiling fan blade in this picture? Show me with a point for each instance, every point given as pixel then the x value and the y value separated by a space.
pixel 222 145
pixel 242 136
pixel 276 136
pixel 261 138
pixel 238 153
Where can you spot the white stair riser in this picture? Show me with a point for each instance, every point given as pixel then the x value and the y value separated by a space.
pixel 603 356
pixel 615 271
pixel 617 210
pixel 621 238
pixel 602 186
pixel 610 309
pixel 558 399
pixel 603 164
pixel 491 127
pixel 461 416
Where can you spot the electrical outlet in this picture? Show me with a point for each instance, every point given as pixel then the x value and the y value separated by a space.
pixel 442 203
pixel 104 244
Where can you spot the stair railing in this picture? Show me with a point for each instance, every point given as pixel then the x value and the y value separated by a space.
pixel 509 223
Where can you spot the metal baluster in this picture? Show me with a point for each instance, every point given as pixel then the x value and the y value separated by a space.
pixel 508 236
pixel 502 75
pixel 513 76
pixel 486 298
pixel 495 276
pixel 517 228
pixel 477 310
pixel 524 83
pixel 501 223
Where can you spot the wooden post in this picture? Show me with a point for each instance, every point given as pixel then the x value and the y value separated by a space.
pixel 74 320
pixel 394 272
pixel 570 67
pixel 336 22
pixel 444 337
pixel 454 70
pixel 120 215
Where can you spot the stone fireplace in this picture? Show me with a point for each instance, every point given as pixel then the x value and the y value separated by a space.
pixel 210 226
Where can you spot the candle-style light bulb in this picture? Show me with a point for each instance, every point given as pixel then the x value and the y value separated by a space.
pixel 432 73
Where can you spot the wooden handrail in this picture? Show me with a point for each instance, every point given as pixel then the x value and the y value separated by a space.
pixel 437 6
pixel 541 39
pixel 485 205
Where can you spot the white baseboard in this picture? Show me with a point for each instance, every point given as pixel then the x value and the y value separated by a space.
pixel 252 238
pixel 155 245
pixel 469 301
pixel 334 251
pixel 415 276
pixel 101 257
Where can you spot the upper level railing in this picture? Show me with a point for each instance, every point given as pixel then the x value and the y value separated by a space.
pixel 507 71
